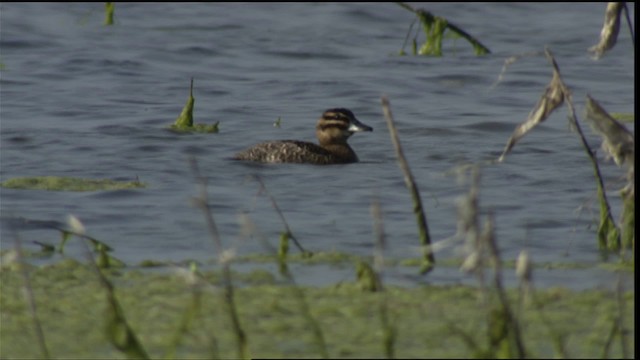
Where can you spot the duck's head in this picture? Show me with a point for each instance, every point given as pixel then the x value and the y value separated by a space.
pixel 337 125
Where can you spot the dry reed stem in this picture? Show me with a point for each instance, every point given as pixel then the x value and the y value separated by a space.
pixel 418 210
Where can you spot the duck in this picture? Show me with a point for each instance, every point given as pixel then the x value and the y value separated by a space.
pixel 333 129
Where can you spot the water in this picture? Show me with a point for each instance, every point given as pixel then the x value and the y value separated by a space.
pixel 84 100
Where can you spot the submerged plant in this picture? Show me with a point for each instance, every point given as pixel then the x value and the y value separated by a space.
pixel 434 28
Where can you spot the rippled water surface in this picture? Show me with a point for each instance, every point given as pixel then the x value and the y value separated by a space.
pixel 84 100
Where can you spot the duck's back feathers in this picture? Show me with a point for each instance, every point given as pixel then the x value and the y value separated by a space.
pixel 294 151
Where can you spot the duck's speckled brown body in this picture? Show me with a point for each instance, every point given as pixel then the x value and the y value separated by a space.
pixel 332 130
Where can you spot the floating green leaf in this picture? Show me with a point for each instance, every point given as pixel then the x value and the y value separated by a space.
pixel 56 183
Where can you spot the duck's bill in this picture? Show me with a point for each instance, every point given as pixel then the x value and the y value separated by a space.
pixel 356 126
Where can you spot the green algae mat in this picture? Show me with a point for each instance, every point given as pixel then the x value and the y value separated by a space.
pixel 58 183
pixel 174 316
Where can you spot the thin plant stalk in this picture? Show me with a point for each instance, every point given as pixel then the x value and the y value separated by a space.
pixel 556 94
pixel 119 332
pixel 201 202
pixel 617 327
pixel 388 331
pixel 620 320
pixel 192 312
pixel 288 232
pixel 633 34
pixel 513 336
pixel 418 210
pixel 37 326
pixel 608 232
pixel 524 272
pixel 297 292
pixel 469 228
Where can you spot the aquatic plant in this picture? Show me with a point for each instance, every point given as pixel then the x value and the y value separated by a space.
pixel 109 9
pixel 434 28
pixel 223 259
pixel 503 327
pixel 184 122
pixel 28 292
pixel 169 318
pixel 117 329
pixel 619 144
pixel 418 210
pixel 103 259
pixel 611 28
pixel 296 291
pixel 58 183
pixel 389 331
pixel 287 234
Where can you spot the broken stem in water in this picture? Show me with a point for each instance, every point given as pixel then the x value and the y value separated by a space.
pixel 418 210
